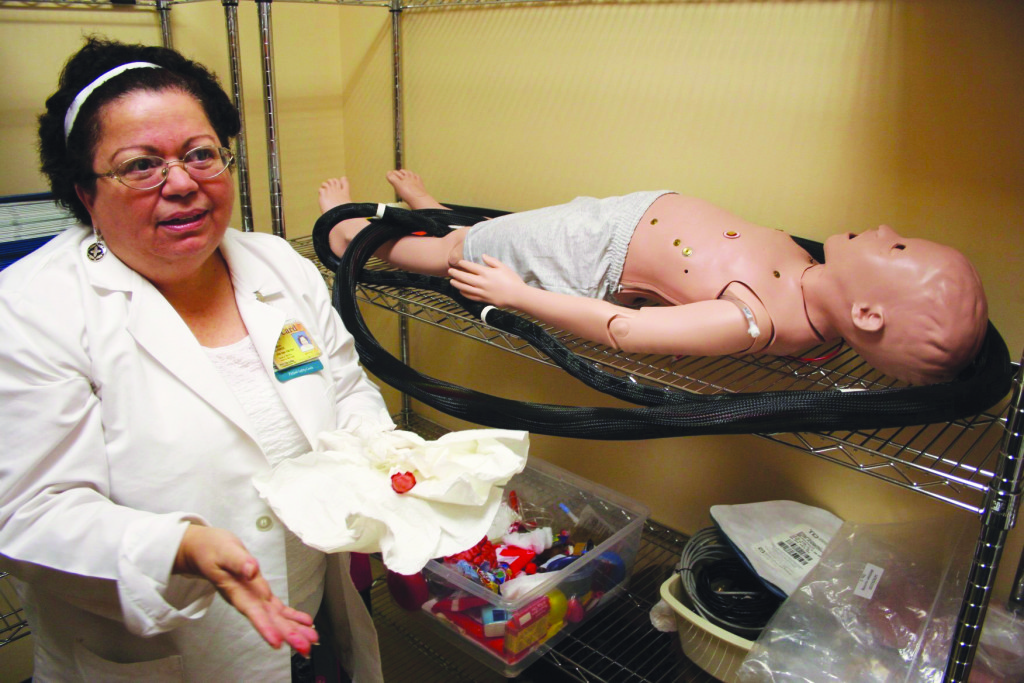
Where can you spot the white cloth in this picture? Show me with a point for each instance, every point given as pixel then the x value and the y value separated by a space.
pixel 117 431
pixel 340 498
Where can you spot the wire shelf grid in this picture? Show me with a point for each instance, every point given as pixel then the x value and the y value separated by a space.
pixel 12 617
pixel 148 5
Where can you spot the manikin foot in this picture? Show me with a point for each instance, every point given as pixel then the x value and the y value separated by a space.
pixel 411 190
pixel 334 192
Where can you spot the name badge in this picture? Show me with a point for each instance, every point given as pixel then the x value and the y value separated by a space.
pixel 296 354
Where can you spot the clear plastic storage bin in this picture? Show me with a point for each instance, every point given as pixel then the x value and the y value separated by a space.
pixel 509 635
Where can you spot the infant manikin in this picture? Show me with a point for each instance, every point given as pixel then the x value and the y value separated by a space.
pixel 658 272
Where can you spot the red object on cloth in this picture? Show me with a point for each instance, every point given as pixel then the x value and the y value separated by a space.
pixel 402 482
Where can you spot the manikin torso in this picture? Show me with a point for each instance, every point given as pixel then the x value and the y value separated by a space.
pixel 686 250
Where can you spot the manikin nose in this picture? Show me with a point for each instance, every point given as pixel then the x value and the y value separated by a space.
pixel 886 231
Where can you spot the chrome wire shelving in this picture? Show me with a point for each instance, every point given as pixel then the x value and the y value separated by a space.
pixel 12 617
pixel 82 4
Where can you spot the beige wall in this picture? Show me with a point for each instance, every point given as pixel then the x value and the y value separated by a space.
pixel 816 117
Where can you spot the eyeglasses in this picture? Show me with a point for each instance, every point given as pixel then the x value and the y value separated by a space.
pixel 149 172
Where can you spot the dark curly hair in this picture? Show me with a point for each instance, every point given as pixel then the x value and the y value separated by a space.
pixel 69 163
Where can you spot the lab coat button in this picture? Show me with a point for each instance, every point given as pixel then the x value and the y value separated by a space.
pixel 264 523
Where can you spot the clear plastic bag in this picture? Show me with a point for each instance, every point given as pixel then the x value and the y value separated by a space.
pixel 1000 656
pixel 880 606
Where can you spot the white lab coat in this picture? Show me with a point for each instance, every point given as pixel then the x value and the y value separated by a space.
pixel 117 431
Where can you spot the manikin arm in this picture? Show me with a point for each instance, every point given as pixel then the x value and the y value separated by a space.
pixel 706 328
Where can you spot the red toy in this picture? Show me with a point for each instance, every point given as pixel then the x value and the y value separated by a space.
pixel 402 482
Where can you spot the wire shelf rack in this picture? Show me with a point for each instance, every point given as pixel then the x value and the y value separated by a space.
pixel 953 462
pixel 12 617
pixel 108 5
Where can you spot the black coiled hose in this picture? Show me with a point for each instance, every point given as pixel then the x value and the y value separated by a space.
pixel 664 412
pixel 722 588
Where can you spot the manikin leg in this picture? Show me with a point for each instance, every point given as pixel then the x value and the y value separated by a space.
pixel 418 254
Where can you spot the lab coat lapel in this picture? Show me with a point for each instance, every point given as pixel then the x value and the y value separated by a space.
pixel 160 331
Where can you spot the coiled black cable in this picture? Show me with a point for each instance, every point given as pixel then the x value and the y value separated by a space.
pixel 721 588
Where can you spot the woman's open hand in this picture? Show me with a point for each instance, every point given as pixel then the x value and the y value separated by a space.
pixel 218 556
pixel 493 282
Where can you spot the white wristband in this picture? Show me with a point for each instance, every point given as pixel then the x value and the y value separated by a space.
pixel 485 311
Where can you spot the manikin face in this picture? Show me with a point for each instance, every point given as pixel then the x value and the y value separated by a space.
pixel 876 266
pixel 879 245
pixel 166 233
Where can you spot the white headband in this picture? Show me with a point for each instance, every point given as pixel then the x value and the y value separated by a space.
pixel 81 97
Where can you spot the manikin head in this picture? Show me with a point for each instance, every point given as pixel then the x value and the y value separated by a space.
pixel 913 309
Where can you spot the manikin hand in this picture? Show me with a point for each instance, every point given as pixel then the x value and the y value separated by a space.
pixel 218 556
pixel 493 283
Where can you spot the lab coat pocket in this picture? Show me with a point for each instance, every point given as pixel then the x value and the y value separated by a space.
pixel 92 667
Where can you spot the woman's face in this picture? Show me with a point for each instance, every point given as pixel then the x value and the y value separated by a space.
pixel 168 233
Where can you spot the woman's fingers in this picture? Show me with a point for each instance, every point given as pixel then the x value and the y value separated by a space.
pixel 297 616
pixel 218 556
pixel 302 639
pixel 273 620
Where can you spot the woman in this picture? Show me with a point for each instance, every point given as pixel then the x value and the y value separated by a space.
pixel 147 372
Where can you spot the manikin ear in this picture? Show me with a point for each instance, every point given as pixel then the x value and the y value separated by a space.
pixel 867 317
